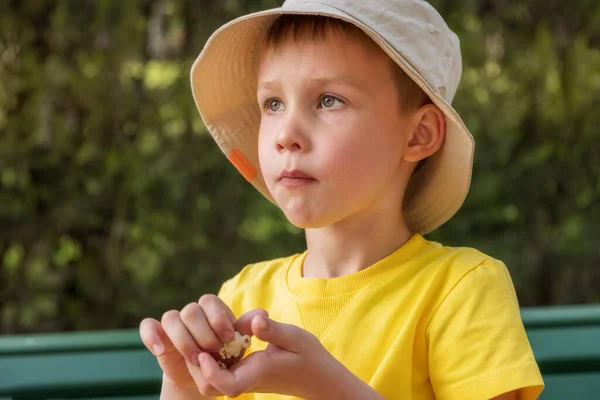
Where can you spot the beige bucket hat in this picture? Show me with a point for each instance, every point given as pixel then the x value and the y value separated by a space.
pixel 411 32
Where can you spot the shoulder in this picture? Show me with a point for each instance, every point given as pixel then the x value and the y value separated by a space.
pixel 457 276
pixel 257 275
pixel 468 279
pixel 453 264
pixel 262 271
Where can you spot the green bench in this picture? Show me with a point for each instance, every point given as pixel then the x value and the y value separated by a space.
pixel 114 365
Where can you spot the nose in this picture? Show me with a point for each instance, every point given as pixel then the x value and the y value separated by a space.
pixel 291 136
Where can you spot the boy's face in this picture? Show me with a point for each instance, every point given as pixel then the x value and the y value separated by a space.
pixel 332 135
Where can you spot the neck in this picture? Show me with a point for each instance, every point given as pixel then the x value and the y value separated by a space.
pixel 353 244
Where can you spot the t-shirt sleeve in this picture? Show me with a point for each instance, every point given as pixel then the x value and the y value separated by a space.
pixel 227 291
pixel 478 348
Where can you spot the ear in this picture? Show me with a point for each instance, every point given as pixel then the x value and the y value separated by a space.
pixel 428 135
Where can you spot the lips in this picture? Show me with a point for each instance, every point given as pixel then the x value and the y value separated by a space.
pixel 294 174
pixel 294 178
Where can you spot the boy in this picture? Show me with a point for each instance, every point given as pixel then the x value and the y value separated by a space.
pixel 339 112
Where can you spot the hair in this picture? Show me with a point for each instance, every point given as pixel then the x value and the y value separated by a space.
pixel 410 95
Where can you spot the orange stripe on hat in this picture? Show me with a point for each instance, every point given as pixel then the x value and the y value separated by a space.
pixel 242 164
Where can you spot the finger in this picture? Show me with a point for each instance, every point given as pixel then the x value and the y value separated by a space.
pixel 285 336
pixel 154 337
pixel 257 364
pixel 156 340
pixel 243 324
pixel 219 316
pixel 202 384
pixel 221 379
pixel 197 325
pixel 180 336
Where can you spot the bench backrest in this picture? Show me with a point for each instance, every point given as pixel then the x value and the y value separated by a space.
pixel 115 364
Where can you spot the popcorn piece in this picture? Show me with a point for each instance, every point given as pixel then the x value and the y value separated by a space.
pixel 235 347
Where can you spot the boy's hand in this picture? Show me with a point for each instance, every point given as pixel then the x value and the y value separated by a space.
pixel 294 363
pixel 182 335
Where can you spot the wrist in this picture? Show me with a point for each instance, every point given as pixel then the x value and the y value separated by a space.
pixel 170 391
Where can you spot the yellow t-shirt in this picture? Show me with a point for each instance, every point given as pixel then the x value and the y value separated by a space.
pixel 426 322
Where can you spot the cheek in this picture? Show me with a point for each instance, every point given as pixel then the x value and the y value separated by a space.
pixel 365 152
pixel 264 150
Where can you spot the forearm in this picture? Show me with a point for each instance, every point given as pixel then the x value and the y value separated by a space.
pixel 170 391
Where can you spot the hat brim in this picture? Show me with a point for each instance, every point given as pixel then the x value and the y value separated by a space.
pixel 224 81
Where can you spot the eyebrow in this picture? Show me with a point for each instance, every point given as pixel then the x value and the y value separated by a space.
pixel 343 80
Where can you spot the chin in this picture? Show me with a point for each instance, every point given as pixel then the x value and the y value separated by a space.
pixel 303 213
pixel 306 220
pixel 305 224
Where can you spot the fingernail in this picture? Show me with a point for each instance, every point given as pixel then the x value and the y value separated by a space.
pixel 262 323
pixel 158 349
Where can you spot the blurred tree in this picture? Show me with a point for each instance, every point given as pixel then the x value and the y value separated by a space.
pixel 529 93
pixel 115 204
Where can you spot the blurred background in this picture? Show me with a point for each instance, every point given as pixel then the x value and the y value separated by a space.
pixel 115 204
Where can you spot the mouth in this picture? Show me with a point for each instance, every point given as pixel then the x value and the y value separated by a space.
pixel 296 177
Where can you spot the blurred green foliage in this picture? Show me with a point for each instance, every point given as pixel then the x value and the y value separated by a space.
pixel 115 204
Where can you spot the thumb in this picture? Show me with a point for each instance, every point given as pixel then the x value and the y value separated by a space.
pixel 286 336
